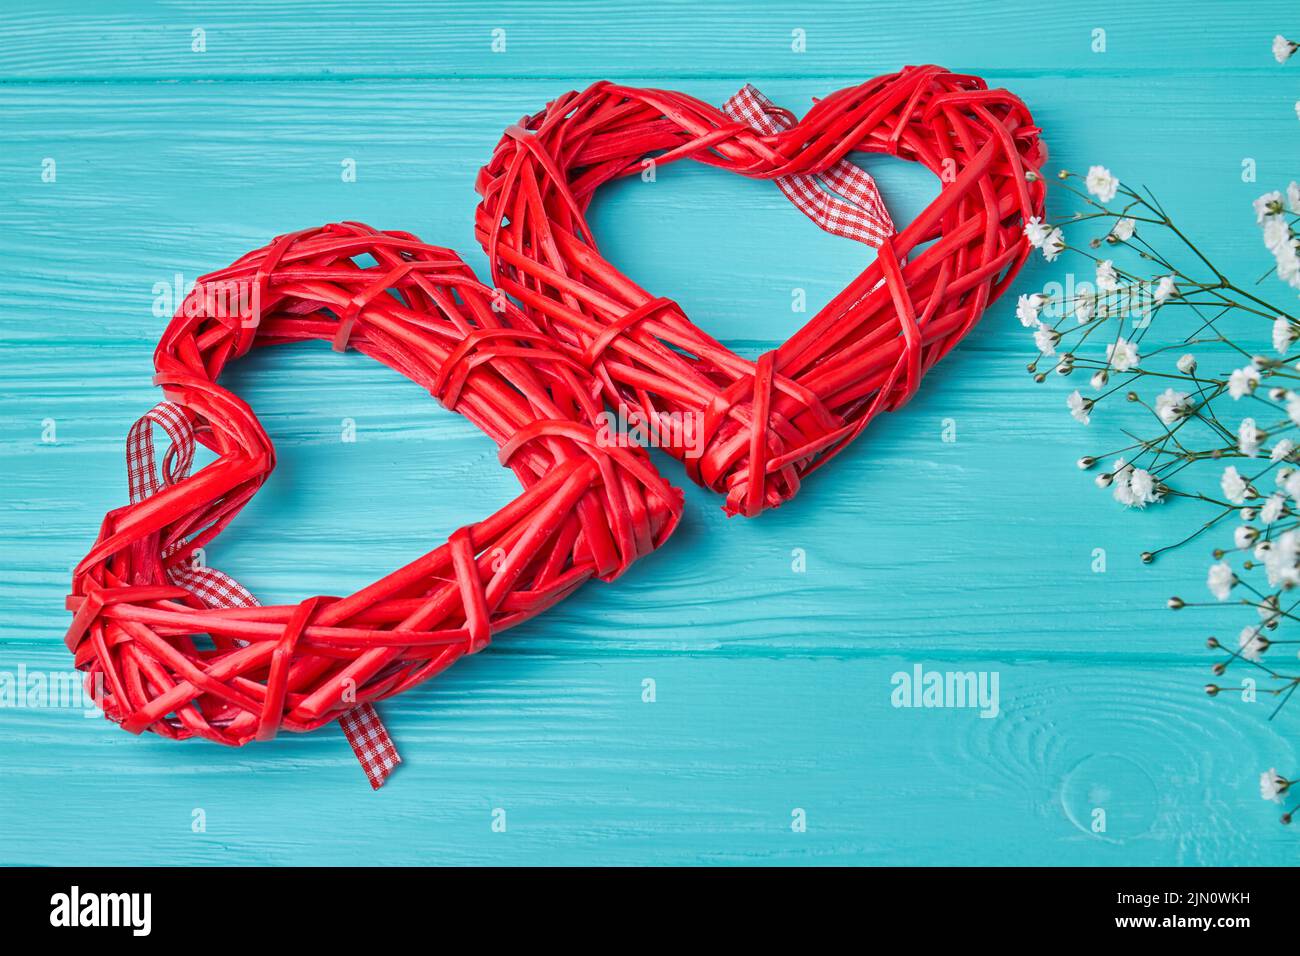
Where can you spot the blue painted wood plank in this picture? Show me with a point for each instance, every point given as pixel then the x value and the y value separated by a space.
pixel 331 39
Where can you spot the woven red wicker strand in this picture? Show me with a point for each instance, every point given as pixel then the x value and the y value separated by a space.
pixel 586 510
pixel 767 423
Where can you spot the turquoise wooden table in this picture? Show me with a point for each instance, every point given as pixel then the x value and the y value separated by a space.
pixel 957 535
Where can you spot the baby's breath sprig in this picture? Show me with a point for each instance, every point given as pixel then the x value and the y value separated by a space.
pixel 1209 418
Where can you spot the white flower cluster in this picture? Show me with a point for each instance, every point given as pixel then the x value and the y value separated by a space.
pixel 1132 487
pixel 1046 237
pixel 1279 554
pixel 1271 211
pixel 1219 437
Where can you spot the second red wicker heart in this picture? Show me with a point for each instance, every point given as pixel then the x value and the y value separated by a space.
pixel 767 423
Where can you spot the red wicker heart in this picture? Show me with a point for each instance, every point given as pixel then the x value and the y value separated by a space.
pixel 586 510
pixel 767 423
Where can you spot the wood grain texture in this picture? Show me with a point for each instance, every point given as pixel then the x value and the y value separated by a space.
pixel 773 687
pixel 333 39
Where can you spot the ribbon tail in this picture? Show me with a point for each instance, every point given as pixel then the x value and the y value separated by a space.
pixel 371 743
pixel 361 725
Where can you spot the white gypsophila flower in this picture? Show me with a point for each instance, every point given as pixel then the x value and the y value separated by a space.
pixel 1037 231
pixel 1122 354
pixel 1165 288
pixel 1282 450
pixel 1027 309
pixel 1243 536
pixel 1288 264
pixel 1248 438
pixel 1251 643
pixel 1045 338
pixel 1243 381
pixel 1121 478
pixel 1124 229
pixel 1132 487
pixel 1283 335
pixel 1142 488
pixel 1101 183
pixel 1293 197
pixel 1220 580
pixel 1079 407
pixel 1085 305
pixel 1172 405
pixel 1293 407
pixel 1268 608
pixel 1107 278
pixel 1187 364
pixel 1280 560
pixel 1273 508
pixel 1234 486
pixel 1269 204
pixel 1122 492
pixel 1271 786
pixel 1099 378
pixel 1276 234
pixel 1288 479
pixel 1282 48
pixel 1054 244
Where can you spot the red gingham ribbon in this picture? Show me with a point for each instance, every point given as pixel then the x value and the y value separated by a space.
pixel 361 725
pixel 844 199
pixel 371 743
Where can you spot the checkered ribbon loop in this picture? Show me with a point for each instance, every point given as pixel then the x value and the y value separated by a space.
pixel 141 473
pixel 843 199
pixel 364 730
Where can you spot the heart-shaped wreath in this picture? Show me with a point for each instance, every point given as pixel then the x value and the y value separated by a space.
pixel 532 380
pixel 587 509
pixel 766 424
